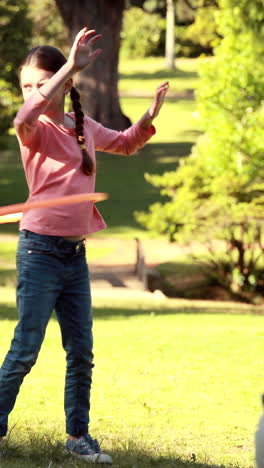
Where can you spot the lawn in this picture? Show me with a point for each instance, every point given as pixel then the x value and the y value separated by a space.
pixel 176 384
pixel 142 75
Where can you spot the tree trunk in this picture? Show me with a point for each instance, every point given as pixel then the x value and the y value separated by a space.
pixel 170 35
pixel 98 83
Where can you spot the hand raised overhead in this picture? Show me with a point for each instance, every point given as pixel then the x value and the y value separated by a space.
pixel 82 53
pixel 158 99
pixel 146 120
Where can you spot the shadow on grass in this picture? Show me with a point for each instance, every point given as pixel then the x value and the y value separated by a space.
pixel 8 312
pixel 152 309
pixel 8 277
pixel 160 74
pixel 40 451
pixel 154 152
pixel 160 310
pixel 177 149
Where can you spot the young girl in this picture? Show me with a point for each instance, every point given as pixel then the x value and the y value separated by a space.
pixel 58 154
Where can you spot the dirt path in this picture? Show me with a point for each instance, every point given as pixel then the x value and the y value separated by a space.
pixel 118 268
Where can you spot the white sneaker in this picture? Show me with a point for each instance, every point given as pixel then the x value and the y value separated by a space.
pixel 87 449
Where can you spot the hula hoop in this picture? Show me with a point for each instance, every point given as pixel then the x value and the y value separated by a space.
pixel 13 213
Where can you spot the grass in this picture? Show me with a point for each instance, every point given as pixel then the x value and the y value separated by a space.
pixel 177 382
pixel 185 392
pixel 142 75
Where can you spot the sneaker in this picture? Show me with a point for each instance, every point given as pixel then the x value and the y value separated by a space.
pixel 87 449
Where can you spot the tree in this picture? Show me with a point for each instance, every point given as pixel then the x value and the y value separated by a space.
pixel 176 12
pixel 218 192
pixel 170 35
pixel 99 82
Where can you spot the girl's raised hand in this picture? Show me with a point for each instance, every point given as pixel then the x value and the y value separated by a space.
pixel 82 53
pixel 146 120
pixel 158 99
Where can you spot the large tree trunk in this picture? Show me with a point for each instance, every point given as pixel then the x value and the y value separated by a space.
pixel 98 83
pixel 170 35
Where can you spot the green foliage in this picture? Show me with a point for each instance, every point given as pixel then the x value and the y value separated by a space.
pixel 144 31
pixel 9 102
pixel 48 26
pixel 218 192
pixel 141 33
pixel 15 34
pixel 199 37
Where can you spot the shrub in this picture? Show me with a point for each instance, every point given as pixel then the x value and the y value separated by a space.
pixel 15 35
pixel 218 192
pixel 141 33
pixel 200 37
pixel 9 103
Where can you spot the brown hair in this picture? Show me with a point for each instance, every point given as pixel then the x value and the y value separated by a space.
pixel 51 59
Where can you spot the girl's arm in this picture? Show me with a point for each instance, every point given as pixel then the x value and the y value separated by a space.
pixel 80 56
pixel 146 120
pixel 134 137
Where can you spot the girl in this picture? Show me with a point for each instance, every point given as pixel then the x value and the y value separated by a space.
pixel 58 154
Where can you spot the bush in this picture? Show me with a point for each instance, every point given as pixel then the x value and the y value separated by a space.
pixel 141 33
pixel 9 104
pixel 15 35
pixel 200 37
pixel 218 192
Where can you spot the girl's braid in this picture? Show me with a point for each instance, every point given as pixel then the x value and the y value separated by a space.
pixel 87 162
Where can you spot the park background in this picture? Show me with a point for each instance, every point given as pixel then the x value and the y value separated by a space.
pixel 177 381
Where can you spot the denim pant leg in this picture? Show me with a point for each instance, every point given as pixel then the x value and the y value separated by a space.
pixel 37 291
pixel 73 310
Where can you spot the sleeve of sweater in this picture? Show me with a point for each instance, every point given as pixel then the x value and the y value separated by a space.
pixel 26 120
pixel 113 141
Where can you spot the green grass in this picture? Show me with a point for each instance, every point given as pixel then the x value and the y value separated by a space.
pixel 143 75
pixel 174 381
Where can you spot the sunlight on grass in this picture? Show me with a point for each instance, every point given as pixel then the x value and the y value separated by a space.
pixel 143 75
pixel 169 382
pixel 175 123
pixel 177 383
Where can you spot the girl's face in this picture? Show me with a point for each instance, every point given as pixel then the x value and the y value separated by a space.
pixel 32 78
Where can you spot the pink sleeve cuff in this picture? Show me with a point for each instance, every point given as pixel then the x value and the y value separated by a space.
pixel 152 130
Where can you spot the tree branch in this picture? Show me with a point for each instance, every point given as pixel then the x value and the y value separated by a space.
pixel 190 5
pixel 204 4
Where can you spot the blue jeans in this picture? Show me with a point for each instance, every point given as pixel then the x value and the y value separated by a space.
pixel 52 274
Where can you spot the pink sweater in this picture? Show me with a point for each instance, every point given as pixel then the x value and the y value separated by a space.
pixel 52 160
